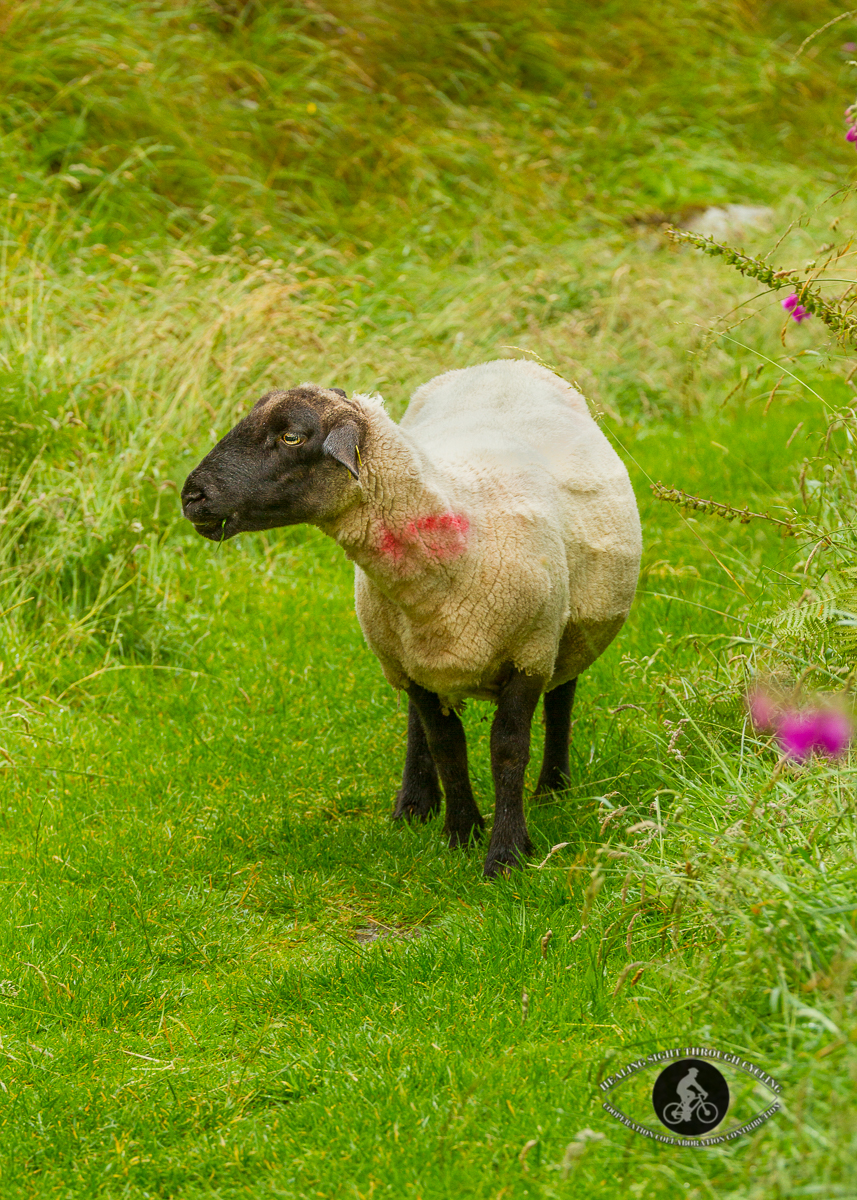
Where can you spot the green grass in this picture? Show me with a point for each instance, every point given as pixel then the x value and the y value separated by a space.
pixel 223 971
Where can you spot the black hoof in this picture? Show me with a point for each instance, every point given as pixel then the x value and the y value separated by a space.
pixel 550 786
pixel 466 836
pixel 415 808
pixel 503 859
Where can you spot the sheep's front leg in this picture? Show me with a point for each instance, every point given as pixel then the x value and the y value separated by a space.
pixel 555 774
pixel 419 795
pixel 510 753
pixel 448 745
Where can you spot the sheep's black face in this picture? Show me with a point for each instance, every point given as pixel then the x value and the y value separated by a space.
pixel 290 461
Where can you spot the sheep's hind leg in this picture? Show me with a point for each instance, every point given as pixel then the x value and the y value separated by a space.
pixel 510 752
pixel 448 745
pixel 556 771
pixel 419 796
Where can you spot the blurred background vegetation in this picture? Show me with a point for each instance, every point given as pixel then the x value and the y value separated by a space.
pixel 370 123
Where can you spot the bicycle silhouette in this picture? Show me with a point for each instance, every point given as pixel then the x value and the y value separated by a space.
pixel 678 1112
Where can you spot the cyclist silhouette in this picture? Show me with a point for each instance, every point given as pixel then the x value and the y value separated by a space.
pixel 690 1090
pixel 691 1101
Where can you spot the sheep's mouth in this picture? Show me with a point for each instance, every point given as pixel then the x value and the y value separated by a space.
pixel 221 529
pixel 217 531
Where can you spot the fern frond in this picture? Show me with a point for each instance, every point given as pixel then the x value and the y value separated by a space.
pixel 829 615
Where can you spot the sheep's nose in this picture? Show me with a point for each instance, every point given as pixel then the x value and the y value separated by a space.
pixel 195 497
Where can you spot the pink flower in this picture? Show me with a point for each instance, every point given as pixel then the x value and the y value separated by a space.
pixel 798 312
pixel 851 135
pixel 800 732
pixel 827 731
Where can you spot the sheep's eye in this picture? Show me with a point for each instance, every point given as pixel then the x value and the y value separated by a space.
pixel 293 439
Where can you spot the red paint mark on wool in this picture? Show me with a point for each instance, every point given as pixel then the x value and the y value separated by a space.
pixel 390 546
pixel 441 538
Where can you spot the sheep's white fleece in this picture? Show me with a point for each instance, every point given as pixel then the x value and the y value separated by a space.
pixel 497 527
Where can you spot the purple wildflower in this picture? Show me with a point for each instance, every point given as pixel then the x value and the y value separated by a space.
pixel 799 732
pixel 797 311
pixel 827 731
pixel 851 135
pixel 849 47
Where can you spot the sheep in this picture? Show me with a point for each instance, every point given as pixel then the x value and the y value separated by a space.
pixel 496 543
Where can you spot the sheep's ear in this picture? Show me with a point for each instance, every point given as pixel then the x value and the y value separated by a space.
pixel 343 444
pixel 339 392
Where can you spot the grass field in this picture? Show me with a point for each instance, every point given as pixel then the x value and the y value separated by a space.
pixel 223 971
